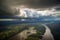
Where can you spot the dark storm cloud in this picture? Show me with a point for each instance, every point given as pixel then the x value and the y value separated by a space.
pixel 42 3
pixel 8 6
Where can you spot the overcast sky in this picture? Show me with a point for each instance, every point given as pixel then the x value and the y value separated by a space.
pixel 7 7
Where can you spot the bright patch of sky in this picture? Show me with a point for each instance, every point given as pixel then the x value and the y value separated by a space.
pixel 27 12
pixel 8 19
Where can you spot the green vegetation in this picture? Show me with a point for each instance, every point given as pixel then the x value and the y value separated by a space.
pixel 31 38
pixel 14 29
pixel 40 31
pixel 34 37
pixel 10 31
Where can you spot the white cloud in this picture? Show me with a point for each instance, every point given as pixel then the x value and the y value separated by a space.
pixel 27 12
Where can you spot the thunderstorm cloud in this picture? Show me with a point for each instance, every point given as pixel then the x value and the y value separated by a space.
pixel 8 7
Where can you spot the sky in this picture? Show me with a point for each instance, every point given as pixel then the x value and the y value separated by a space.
pixel 9 7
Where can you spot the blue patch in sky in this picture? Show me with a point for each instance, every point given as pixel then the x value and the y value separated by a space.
pixel 58 8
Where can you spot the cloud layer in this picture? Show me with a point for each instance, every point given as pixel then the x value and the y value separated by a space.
pixel 10 5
